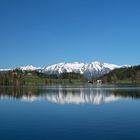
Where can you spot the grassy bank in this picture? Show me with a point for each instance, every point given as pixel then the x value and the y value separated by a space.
pixel 45 81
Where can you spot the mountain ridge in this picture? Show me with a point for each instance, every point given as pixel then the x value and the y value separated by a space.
pixel 92 69
pixel 89 70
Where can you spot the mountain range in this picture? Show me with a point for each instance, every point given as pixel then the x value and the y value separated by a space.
pixel 87 69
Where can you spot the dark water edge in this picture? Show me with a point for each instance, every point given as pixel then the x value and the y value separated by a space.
pixel 70 112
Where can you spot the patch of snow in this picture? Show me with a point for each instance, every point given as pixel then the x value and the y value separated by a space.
pixel 29 67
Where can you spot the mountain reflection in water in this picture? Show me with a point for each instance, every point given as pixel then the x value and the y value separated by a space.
pixel 69 95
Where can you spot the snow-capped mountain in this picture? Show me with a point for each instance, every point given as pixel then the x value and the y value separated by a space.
pixel 29 67
pixel 88 69
pixel 5 69
pixel 64 68
pixel 24 68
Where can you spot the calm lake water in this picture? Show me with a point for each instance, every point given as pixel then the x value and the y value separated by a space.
pixel 70 112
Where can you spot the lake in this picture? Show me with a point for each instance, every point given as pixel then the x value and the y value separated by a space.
pixel 70 112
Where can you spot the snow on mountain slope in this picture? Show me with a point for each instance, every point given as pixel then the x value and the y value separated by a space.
pixel 29 67
pixel 5 69
pixel 64 67
pixel 88 69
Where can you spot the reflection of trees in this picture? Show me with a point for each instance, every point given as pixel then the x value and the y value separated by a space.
pixel 74 95
pixel 18 92
pixel 128 93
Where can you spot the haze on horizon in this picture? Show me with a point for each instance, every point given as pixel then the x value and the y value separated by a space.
pixel 44 32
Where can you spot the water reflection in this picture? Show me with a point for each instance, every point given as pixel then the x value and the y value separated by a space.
pixel 69 95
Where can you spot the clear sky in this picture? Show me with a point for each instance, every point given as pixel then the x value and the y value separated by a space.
pixel 44 32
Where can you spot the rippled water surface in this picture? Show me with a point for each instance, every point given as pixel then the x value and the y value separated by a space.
pixel 70 112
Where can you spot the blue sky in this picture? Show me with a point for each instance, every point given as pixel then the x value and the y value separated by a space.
pixel 44 32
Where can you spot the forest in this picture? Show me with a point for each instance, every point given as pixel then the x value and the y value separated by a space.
pixel 19 77
pixel 123 75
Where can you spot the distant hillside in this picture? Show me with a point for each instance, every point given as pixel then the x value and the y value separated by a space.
pixel 123 75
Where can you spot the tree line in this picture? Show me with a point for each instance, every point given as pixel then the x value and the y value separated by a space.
pixel 123 75
pixel 19 77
